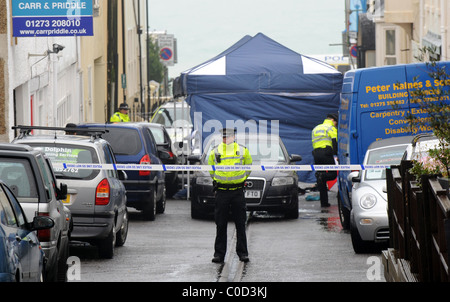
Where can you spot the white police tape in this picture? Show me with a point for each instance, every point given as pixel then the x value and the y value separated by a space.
pixel 68 166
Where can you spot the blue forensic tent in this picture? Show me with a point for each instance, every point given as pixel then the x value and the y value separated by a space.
pixel 258 81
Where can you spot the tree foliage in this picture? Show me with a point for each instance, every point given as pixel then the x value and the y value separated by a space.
pixel 155 70
pixel 433 100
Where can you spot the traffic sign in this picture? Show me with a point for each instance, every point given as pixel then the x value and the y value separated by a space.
pixel 166 54
pixel 354 51
pixel 166 49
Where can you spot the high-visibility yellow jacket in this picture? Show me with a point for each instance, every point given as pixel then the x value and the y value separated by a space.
pixel 119 117
pixel 322 135
pixel 230 155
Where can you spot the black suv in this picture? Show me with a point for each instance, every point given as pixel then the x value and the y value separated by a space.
pixel 29 174
pixel 133 143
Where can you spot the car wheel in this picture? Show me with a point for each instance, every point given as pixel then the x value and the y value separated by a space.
pixel 106 246
pixel 122 234
pixel 359 246
pixel 173 187
pixel 293 212
pixel 51 275
pixel 344 214
pixel 62 262
pixel 196 211
pixel 161 205
pixel 41 275
pixel 149 211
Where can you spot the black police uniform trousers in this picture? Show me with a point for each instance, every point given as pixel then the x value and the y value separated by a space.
pixel 227 200
pixel 324 156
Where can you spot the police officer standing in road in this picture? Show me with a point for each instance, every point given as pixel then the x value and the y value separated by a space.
pixel 324 141
pixel 121 115
pixel 229 190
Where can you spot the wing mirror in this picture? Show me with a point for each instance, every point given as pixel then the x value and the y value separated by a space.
pixel 41 223
pixel 354 176
pixel 61 193
pixel 295 158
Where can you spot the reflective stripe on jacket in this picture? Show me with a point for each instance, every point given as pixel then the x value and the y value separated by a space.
pixel 119 117
pixel 230 155
pixel 322 135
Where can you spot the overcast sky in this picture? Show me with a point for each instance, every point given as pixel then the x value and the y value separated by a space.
pixel 204 28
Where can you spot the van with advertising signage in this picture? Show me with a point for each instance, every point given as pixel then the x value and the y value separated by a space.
pixel 374 105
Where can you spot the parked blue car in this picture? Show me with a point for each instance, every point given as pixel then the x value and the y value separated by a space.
pixel 133 143
pixel 21 256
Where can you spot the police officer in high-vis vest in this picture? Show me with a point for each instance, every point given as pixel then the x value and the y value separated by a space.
pixel 229 190
pixel 324 141
pixel 121 115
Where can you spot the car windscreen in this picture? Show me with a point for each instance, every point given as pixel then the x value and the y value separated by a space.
pixel 70 154
pixel 158 134
pixel 169 117
pixel 385 156
pixel 262 150
pixel 124 141
pixel 18 175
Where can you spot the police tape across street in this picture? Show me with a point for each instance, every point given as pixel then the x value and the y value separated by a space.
pixel 217 168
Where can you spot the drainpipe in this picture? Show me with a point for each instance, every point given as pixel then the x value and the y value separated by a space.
pixel 54 60
pixel 421 16
pixel 139 32
pixel 147 61
pixel 443 31
pixel 124 64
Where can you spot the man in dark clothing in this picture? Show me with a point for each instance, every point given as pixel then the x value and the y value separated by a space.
pixel 229 187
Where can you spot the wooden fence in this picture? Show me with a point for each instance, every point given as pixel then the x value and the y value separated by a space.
pixel 419 226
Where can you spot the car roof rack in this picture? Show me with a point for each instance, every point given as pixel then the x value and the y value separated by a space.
pixel 93 132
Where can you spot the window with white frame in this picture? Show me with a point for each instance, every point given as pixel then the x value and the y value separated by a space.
pixel 390 53
pixel 63 111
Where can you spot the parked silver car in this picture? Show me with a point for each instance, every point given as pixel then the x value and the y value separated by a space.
pixel 369 221
pixel 29 175
pixel 96 197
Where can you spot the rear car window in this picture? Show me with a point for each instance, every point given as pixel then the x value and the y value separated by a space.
pixel 124 141
pixel 384 156
pixel 71 154
pixel 18 175
pixel 158 134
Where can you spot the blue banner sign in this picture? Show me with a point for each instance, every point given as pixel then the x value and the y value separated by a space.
pixel 21 8
pixel 34 18
pixel 52 26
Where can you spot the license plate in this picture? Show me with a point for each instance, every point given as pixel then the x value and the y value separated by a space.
pixel 252 194
pixel 67 200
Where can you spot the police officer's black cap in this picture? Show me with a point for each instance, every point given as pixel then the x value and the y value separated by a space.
pixel 334 116
pixel 227 132
pixel 124 106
